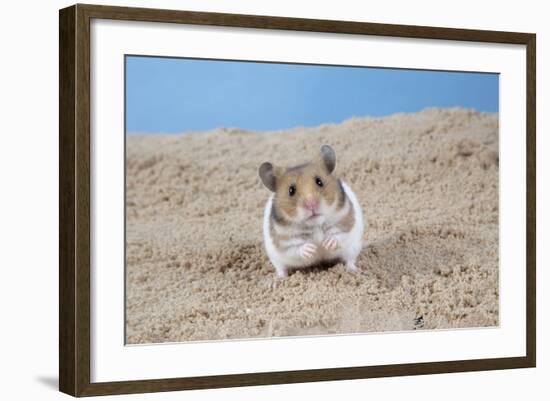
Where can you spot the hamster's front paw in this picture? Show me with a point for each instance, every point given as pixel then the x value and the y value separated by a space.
pixel 330 244
pixel 308 250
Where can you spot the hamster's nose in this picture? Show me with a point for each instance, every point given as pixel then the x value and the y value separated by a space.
pixel 311 204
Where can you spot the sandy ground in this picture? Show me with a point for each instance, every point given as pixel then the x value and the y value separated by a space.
pixel 428 185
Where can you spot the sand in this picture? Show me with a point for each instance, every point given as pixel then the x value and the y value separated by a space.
pixel 427 183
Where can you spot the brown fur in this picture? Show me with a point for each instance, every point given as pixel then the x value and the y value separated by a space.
pixel 277 238
pixel 347 222
pixel 303 177
pixel 277 217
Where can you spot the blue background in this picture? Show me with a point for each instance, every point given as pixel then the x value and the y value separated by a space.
pixel 169 95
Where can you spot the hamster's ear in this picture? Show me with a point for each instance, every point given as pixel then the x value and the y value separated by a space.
pixel 267 174
pixel 329 158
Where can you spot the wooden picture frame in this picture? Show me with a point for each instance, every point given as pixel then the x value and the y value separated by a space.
pixel 74 199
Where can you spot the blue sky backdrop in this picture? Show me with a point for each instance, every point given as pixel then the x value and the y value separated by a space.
pixel 170 95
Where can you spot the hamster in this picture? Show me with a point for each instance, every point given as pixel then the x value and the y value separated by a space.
pixel 311 217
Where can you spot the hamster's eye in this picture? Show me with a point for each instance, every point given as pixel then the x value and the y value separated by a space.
pixel 318 181
pixel 292 190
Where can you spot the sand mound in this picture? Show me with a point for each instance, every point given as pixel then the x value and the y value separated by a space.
pixel 428 185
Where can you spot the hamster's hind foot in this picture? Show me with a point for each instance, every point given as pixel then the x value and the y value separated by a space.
pixel 351 267
pixel 282 272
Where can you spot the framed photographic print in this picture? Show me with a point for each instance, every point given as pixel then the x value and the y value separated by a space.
pixel 250 200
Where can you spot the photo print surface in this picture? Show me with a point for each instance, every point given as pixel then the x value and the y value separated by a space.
pixel 278 199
